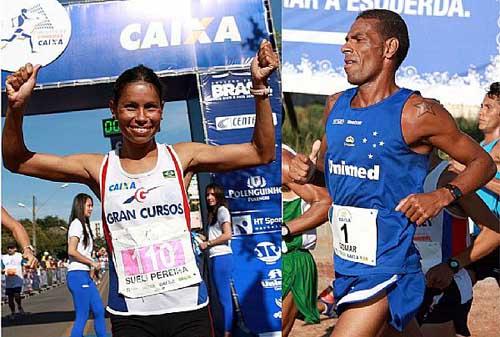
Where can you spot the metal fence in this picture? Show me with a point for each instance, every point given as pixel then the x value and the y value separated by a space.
pixel 37 280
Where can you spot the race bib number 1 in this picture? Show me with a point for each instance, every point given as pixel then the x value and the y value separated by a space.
pixel 355 234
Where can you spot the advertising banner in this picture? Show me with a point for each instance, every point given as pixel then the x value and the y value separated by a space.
pixel 453 56
pixel 257 277
pixel 254 196
pixel 95 43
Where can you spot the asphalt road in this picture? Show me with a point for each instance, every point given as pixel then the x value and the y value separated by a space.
pixel 49 314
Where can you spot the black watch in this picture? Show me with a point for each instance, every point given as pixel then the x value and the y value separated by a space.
pixel 454 190
pixel 454 265
pixel 285 230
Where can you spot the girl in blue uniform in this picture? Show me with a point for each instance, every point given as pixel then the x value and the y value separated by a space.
pixel 86 297
pixel 219 251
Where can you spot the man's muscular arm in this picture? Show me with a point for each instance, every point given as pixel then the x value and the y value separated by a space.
pixel 440 276
pixel 494 184
pixel 427 124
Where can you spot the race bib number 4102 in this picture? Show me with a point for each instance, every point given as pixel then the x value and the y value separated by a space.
pixel 355 234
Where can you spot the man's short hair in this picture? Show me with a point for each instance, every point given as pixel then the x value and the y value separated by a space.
pixel 494 91
pixel 11 245
pixel 391 24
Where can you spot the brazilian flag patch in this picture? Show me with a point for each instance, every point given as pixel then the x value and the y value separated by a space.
pixel 169 174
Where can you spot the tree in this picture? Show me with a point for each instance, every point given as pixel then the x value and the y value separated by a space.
pixel 309 127
pixel 50 236
pixel 470 127
pixel 100 242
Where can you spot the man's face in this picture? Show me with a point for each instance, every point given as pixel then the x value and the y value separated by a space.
pixel 11 250
pixel 363 51
pixel 489 115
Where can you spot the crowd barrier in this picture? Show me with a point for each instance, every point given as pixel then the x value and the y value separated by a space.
pixel 37 280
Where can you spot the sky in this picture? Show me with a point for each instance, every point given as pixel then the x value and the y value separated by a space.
pixel 276 12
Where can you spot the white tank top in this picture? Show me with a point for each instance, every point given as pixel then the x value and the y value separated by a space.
pixel 147 227
pixel 443 235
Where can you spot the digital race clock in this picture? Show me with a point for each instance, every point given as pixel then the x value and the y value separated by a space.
pixel 110 127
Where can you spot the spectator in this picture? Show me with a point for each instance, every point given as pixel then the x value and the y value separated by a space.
pixel 12 262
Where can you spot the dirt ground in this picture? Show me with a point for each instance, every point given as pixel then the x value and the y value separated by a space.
pixel 484 318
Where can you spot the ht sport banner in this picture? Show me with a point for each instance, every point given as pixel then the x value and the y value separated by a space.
pixel 88 41
pixel 453 56
pixel 254 196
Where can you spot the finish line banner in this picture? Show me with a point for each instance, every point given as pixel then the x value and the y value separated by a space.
pixel 453 56
pixel 254 196
pixel 89 41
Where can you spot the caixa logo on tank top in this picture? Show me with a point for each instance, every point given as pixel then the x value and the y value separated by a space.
pixel 257 190
pixel 140 194
pixel 267 252
pixel 32 31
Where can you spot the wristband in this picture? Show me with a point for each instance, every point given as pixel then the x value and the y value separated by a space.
pixel 454 190
pixel 30 247
pixel 285 230
pixel 454 265
pixel 261 92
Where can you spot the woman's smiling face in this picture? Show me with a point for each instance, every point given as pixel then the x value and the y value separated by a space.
pixel 139 112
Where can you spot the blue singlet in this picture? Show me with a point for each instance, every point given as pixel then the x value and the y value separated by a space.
pixel 368 165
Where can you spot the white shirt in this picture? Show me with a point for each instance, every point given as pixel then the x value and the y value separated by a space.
pixel 13 270
pixel 215 230
pixel 76 230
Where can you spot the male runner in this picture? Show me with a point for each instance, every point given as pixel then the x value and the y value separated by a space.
pixel 446 249
pixel 374 155
pixel 13 269
pixel 489 125
pixel 304 208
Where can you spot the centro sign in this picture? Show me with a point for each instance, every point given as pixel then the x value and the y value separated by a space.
pixel 238 122
pixel 32 31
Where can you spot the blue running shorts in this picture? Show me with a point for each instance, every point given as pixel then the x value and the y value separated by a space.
pixel 405 293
